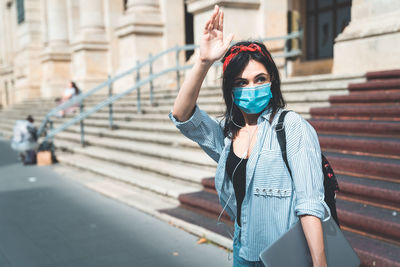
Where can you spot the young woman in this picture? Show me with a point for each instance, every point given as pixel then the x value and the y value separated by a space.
pixel 69 92
pixel 252 181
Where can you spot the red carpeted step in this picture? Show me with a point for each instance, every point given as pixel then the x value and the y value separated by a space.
pixel 209 185
pixel 383 224
pixel 201 218
pixel 370 112
pixel 374 252
pixel 376 85
pixel 387 74
pixel 371 192
pixel 380 98
pixel 203 200
pixel 366 128
pixel 359 145
pixel 363 166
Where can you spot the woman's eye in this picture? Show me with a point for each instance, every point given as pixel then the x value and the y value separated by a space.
pixel 261 79
pixel 240 83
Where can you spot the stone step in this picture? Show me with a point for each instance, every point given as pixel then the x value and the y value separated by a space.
pixel 372 112
pixel 203 219
pixel 371 192
pixel 356 127
pixel 172 140
pixel 142 179
pixel 363 166
pixel 361 98
pixel 159 127
pixel 166 167
pixel 373 252
pixel 376 84
pixel 358 145
pixel 372 221
pixel 206 201
pixel 388 74
pixel 175 154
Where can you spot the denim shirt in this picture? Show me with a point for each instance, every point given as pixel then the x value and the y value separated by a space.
pixel 272 201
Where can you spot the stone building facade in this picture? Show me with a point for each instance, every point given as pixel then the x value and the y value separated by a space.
pixel 46 43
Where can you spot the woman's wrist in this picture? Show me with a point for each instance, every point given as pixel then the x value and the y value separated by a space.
pixel 204 63
pixel 320 260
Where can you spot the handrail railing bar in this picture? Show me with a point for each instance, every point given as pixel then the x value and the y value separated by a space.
pixel 110 100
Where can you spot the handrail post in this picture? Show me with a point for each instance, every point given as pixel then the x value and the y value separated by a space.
pixel 51 124
pixel 139 110
pixel 82 126
pixel 151 81
pixel 178 78
pixel 110 111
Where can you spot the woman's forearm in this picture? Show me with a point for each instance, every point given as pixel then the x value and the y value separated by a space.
pixel 189 92
pixel 312 228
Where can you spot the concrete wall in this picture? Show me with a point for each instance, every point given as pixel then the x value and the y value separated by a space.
pixel 370 41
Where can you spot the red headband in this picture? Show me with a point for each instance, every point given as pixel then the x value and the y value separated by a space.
pixel 235 50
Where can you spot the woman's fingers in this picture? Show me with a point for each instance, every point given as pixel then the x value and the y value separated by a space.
pixel 221 21
pixel 214 15
pixel 206 26
pixel 216 20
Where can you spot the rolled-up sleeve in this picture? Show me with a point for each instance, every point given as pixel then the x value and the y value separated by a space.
pixel 204 130
pixel 304 156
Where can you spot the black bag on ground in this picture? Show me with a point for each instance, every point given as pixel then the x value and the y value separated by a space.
pixel 29 157
pixel 330 183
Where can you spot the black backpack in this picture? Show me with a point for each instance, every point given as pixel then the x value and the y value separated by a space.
pixel 330 183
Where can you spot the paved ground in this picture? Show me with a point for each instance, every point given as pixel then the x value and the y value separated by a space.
pixel 49 220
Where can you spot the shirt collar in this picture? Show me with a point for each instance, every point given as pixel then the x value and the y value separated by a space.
pixel 266 114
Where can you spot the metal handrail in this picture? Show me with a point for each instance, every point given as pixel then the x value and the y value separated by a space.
pixel 139 83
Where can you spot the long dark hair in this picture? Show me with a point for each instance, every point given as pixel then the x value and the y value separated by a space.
pixel 233 69
pixel 76 88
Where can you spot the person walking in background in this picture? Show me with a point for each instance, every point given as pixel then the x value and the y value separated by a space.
pixel 24 140
pixel 69 92
pixel 253 184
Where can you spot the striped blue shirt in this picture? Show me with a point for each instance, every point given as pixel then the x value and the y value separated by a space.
pixel 272 201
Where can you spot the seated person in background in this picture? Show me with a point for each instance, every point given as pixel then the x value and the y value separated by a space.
pixel 24 140
pixel 71 91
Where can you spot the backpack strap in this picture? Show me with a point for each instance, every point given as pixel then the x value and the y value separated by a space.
pixel 281 135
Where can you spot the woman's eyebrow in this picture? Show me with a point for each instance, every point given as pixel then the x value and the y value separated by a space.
pixel 262 74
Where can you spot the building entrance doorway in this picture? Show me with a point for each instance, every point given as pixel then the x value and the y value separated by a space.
pixel 326 19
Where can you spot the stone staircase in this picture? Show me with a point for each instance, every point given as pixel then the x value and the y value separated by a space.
pixel 147 151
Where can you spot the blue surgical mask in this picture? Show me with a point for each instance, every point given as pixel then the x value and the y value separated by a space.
pixel 252 100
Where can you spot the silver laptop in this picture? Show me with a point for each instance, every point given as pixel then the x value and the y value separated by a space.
pixel 292 250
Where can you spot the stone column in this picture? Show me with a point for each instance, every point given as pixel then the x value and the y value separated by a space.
pixel 56 57
pixel 140 33
pixel 27 70
pixel 91 46
pixel 370 41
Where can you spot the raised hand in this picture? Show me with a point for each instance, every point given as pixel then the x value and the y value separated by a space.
pixel 213 45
